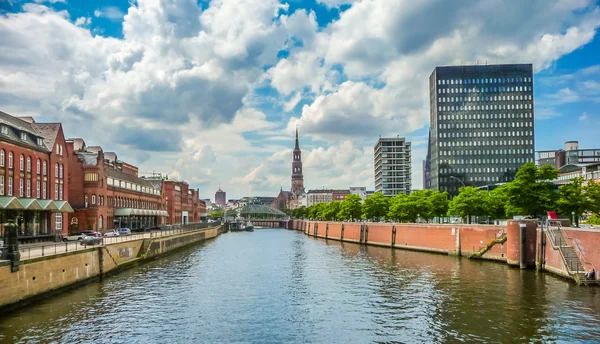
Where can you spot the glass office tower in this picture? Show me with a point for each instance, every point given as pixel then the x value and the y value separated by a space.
pixel 482 126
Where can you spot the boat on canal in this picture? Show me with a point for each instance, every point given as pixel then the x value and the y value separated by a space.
pixel 249 227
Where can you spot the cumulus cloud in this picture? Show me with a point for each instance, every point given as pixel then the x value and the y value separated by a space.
pixel 83 21
pixel 110 12
pixel 181 91
pixel 583 116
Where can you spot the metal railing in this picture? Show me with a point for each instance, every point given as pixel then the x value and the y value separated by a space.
pixel 41 250
pixel 577 250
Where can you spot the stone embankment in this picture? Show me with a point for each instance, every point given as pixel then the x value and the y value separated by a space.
pixel 523 243
pixel 42 275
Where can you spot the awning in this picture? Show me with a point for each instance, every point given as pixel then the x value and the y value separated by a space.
pixel 30 204
pixel 47 205
pixel 140 212
pixel 63 207
pixel 10 203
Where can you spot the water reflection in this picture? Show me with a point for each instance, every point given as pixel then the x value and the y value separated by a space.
pixel 274 286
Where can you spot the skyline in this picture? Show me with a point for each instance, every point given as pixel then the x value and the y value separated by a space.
pixel 127 77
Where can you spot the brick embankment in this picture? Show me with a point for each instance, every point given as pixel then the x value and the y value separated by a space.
pixel 40 276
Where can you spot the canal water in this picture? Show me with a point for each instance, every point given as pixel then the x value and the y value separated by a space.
pixel 278 286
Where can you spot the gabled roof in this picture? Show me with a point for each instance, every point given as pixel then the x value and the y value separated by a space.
pixel 49 131
pixel 17 123
pixel 16 126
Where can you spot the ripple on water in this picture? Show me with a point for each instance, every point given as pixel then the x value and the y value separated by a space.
pixel 277 286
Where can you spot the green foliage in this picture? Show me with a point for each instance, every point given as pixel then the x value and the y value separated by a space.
pixel 426 204
pixel 216 214
pixel 330 210
pixel 350 209
pixel 531 192
pixel 572 199
pixel 375 207
pixel 592 191
pixel 300 212
pixel 496 205
pixel 593 220
pixel 469 202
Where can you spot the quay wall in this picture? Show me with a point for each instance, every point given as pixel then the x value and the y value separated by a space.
pixel 39 276
pixel 463 240
pixel 439 238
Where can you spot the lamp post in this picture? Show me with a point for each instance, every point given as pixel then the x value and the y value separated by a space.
pixel 573 224
pixel 460 180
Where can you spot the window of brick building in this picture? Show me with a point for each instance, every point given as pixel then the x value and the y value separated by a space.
pixel 38 189
pixel 20 187
pixel 45 169
pixel 1 157
pixel 38 166
pixel 28 164
pixel 10 186
pixel 10 159
pixel 22 162
pixel 1 185
pixel 58 222
pixel 28 187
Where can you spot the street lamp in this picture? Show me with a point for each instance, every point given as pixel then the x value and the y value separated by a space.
pixel 453 177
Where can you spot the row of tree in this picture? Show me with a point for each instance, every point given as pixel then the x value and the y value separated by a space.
pixel 530 193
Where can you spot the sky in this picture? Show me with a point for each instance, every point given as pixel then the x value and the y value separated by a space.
pixel 211 91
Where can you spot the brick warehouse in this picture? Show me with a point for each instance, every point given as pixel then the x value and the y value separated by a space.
pixel 33 174
pixel 107 193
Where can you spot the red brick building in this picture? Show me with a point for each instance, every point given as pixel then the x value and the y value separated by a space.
pixel 183 203
pixel 33 174
pixel 107 193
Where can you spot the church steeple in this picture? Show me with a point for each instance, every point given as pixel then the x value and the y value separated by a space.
pixel 297 177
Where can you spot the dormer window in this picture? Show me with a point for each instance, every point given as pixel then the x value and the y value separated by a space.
pixel 4 130
pixel 24 136
pixel 40 141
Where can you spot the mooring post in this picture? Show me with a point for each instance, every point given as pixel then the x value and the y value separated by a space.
pixel 523 246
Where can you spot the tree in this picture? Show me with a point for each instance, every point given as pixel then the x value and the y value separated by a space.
pixel 375 207
pixel 439 201
pixel 469 202
pixel 330 210
pixel 216 214
pixel 496 207
pixel 592 190
pixel 572 199
pixel 398 208
pixel 531 193
pixel 350 209
pixel 299 213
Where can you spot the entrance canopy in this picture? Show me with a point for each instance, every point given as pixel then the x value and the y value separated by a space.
pixel 15 203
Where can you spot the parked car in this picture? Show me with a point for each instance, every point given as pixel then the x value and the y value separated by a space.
pixel 124 231
pixel 74 237
pixel 112 233
pixel 91 240
pixel 93 234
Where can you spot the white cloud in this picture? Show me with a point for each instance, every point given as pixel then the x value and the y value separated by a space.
pixel 583 116
pixel 83 21
pixel 111 12
pixel 292 102
pixel 50 1
pixel 183 85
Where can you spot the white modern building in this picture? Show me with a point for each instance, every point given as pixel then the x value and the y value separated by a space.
pixel 392 161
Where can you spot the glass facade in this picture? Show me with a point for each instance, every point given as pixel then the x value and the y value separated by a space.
pixel 392 161
pixel 482 124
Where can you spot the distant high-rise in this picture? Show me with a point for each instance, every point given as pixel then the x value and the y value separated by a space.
pixel 481 124
pixel 220 197
pixel 392 166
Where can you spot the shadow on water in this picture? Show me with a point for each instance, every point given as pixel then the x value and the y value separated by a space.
pixel 278 286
